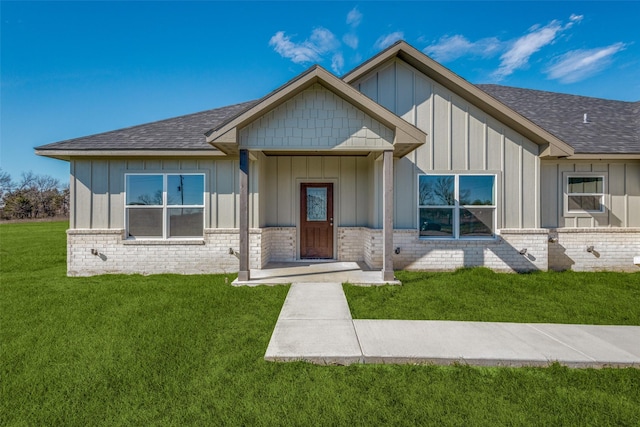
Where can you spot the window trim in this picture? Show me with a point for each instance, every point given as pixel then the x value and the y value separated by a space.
pixel 566 194
pixel 165 206
pixel 456 207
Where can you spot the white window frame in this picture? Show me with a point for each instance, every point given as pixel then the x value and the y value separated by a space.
pixel 165 206
pixel 566 194
pixel 457 206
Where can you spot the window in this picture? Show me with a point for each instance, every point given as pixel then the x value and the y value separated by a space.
pixel 164 205
pixel 584 193
pixel 456 206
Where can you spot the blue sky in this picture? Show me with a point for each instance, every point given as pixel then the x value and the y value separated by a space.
pixel 71 69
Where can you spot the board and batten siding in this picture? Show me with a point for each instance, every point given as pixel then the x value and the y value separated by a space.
pixel 283 175
pixel 98 185
pixel 622 194
pixel 316 119
pixel 461 138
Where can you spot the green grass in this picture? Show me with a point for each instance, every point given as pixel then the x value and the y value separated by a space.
pixel 188 350
pixel 479 294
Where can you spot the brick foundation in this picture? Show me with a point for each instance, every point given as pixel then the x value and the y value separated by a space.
pixel 500 254
pixel 102 251
pixel 613 249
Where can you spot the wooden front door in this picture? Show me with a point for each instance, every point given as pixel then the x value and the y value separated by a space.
pixel 316 221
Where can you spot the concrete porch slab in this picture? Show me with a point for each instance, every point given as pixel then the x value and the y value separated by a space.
pixel 357 273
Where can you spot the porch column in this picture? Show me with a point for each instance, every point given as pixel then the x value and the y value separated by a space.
pixel 243 273
pixel 387 216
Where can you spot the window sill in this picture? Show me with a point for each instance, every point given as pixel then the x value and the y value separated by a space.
pixel 583 214
pixel 161 242
pixel 461 240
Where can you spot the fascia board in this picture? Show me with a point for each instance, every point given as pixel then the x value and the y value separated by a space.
pixel 67 154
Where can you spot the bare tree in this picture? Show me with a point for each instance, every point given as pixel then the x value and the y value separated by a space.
pixel 6 184
pixel 35 196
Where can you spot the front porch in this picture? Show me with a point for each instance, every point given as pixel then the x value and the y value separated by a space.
pixel 354 272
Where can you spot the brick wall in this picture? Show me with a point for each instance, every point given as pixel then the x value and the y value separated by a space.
pixel 113 254
pixel 280 243
pixel 501 254
pixel 613 249
pixel 351 243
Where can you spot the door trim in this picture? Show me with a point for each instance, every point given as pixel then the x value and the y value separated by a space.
pixel 336 213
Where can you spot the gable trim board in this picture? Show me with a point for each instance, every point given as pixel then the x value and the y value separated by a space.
pixel 320 128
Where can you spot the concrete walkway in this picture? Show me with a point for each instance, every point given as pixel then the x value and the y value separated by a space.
pixel 315 325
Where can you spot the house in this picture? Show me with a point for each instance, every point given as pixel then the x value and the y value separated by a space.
pixel 400 164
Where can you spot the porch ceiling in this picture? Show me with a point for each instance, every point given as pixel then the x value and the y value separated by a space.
pixel 406 137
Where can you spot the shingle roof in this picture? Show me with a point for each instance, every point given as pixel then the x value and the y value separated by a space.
pixel 613 127
pixel 178 133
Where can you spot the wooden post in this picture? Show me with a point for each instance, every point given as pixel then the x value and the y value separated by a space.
pixel 387 216
pixel 243 273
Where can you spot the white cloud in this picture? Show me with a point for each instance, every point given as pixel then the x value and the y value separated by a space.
pixel 579 64
pixel 576 18
pixel 449 48
pixel 323 40
pixel 385 41
pixel 354 17
pixel 521 50
pixel 320 42
pixel 337 63
pixel 351 40
pixel 298 53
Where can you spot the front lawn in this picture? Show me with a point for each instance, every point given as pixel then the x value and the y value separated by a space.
pixel 479 294
pixel 188 350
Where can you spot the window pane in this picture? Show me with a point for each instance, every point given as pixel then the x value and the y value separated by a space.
pixel 592 184
pixel 436 190
pixel 436 222
pixel 186 222
pixel 145 222
pixel 476 222
pixel 185 189
pixel 476 190
pixel 144 190
pixel 585 203
pixel 316 204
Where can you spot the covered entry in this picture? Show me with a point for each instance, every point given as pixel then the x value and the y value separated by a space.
pixel 314 117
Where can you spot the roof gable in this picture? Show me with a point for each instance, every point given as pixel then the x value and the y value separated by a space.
pixel 406 136
pixel 551 145
pixel 316 119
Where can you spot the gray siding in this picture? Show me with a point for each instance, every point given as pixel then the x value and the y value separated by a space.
pixel 316 119
pixel 98 185
pixel 350 175
pixel 462 138
pixel 622 194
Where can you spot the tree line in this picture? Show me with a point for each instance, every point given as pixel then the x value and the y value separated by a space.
pixel 33 196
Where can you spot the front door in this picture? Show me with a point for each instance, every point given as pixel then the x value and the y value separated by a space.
pixel 316 220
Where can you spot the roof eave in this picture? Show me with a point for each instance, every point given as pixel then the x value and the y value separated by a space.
pixel 63 154
pixel 604 156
